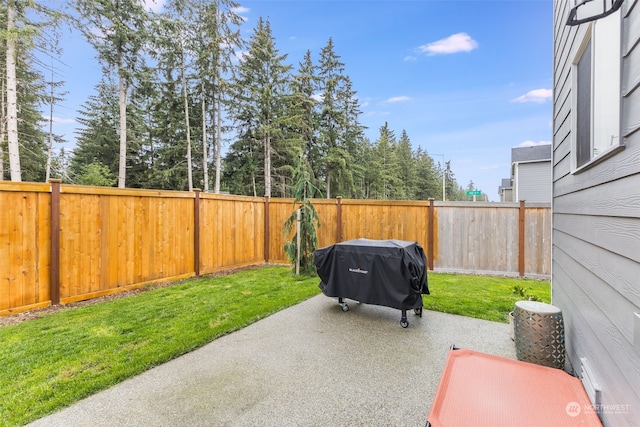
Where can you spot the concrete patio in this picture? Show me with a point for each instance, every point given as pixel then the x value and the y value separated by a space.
pixel 311 364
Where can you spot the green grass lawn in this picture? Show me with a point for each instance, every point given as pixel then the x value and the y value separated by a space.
pixel 483 297
pixel 51 362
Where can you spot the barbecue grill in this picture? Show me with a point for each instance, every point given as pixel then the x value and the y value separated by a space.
pixel 389 273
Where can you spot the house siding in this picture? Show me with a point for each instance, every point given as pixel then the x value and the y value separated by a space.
pixel 596 229
pixel 534 181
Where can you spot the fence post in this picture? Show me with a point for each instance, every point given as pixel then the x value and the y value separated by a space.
pixel 54 269
pixel 339 219
pixel 266 229
pixel 431 230
pixel 196 231
pixel 521 239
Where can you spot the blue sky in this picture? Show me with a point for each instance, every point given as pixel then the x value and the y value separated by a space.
pixel 466 79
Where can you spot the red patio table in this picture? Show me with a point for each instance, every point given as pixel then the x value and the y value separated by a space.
pixel 478 389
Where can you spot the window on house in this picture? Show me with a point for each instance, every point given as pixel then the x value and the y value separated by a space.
pixel 596 83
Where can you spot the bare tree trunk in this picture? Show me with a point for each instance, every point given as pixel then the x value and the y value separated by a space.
pixel 3 127
pixel 267 165
pixel 205 156
pixel 216 188
pixel 253 182
pixel 122 168
pixel 283 183
pixel 328 184
pixel 50 148
pixel 186 119
pixel 12 96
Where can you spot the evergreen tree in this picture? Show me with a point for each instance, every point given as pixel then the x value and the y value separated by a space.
pixel 386 183
pixel 260 90
pixel 117 30
pixel 408 171
pixel 243 167
pixel 354 140
pixel 97 138
pixel 97 174
pixel 309 221
pixel 305 104
pixel 31 98
pixel 337 162
pixel 23 88
pixel 429 177
pixel 218 35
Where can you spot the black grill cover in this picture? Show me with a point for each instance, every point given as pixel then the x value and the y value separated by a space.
pixel 392 273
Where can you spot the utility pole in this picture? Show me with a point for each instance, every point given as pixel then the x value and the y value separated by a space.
pixel 443 177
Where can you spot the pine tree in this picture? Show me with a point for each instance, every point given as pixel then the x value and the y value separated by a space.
pixel 429 178
pixel 260 90
pixel 304 190
pixel 97 141
pixel 218 35
pixel 387 184
pixel 340 134
pixel 303 87
pixel 330 71
pixel 117 30
pixel 408 167
pixel 303 124
pixel 354 140
pixel 23 88
pixel 31 98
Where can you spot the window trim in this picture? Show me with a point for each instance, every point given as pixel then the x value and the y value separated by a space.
pixel 587 39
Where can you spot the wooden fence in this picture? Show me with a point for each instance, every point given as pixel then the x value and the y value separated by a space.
pixel 65 243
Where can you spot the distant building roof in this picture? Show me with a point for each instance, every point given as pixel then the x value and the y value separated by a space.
pixel 530 154
pixel 505 185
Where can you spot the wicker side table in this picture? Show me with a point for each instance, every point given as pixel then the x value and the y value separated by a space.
pixel 539 334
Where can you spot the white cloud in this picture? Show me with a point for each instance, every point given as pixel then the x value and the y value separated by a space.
pixel 394 99
pixel 58 120
pixel 410 58
pixel 460 42
pixel 318 97
pixel 533 143
pixel 240 9
pixel 537 95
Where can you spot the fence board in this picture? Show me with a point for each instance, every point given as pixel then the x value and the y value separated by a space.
pixel 15 251
pixel 43 220
pixel 24 251
pixel 111 239
pixel 279 212
pixel 231 232
pixel 538 241
pixel 483 239
pixel 328 216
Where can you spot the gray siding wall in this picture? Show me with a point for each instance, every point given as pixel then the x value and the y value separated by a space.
pixel 534 182
pixel 596 230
